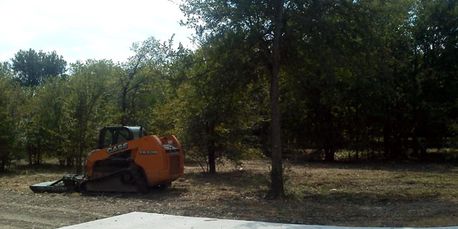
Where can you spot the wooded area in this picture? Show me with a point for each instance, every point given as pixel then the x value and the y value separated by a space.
pixel 374 79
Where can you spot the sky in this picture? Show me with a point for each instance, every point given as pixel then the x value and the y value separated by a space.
pixel 87 29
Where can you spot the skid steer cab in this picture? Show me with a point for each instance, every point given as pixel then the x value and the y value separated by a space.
pixel 127 159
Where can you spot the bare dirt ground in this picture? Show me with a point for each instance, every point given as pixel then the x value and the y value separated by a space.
pixel 317 193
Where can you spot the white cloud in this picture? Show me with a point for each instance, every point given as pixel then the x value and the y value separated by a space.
pixel 84 29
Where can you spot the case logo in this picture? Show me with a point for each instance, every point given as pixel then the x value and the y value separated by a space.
pixel 117 148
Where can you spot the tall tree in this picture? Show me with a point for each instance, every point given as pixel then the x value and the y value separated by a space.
pixel 9 119
pixel 435 71
pixel 89 104
pixel 33 68
pixel 276 186
pixel 48 126
pixel 259 24
pixel 217 110
pixel 140 79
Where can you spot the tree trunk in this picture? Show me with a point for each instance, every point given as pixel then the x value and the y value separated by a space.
pixel 211 160
pixel 211 149
pixel 82 137
pixel 329 155
pixel 79 160
pixel 30 153
pixel 38 157
pixel 124 106
pixel 69 161
pixel 3 165
pixel 276 186
pixel 387 140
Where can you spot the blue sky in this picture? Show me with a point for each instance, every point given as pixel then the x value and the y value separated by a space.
pixel 87 29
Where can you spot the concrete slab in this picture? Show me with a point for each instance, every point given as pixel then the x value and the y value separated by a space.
pixel 143 220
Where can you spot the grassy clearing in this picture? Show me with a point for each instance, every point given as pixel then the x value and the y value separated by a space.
pixel 375 182
pixel 317 193
pixel 346 194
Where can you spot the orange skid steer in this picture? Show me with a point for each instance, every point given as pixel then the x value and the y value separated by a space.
pixel 127 160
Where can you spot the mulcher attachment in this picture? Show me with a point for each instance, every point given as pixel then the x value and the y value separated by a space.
pixel 68 183
pixel 124 180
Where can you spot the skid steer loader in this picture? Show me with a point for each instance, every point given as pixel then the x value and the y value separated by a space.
pixel 126 160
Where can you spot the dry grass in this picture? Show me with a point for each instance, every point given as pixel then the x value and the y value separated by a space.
pixel 317 193
pixel 342 194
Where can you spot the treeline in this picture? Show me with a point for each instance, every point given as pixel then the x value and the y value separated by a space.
pixel 372 77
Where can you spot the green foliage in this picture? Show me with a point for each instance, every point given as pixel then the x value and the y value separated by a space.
pixel 8 121
pixel 89 104
pixel 357 75
pixel 33 68
pixel 46 130
pixel 241 58
pixel 141 81
pixel 378 77
pixel 436 69
pixel 5 69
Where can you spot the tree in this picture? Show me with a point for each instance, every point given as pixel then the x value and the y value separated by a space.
pixel 218 113
pixel 33 68
pixel 260 24
pixel 140 80
pixel 46 129
pixel 276 187
pixel 89 105
pixel 7 139
pixel 435 71
pixel 5 69
pixel 8 121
